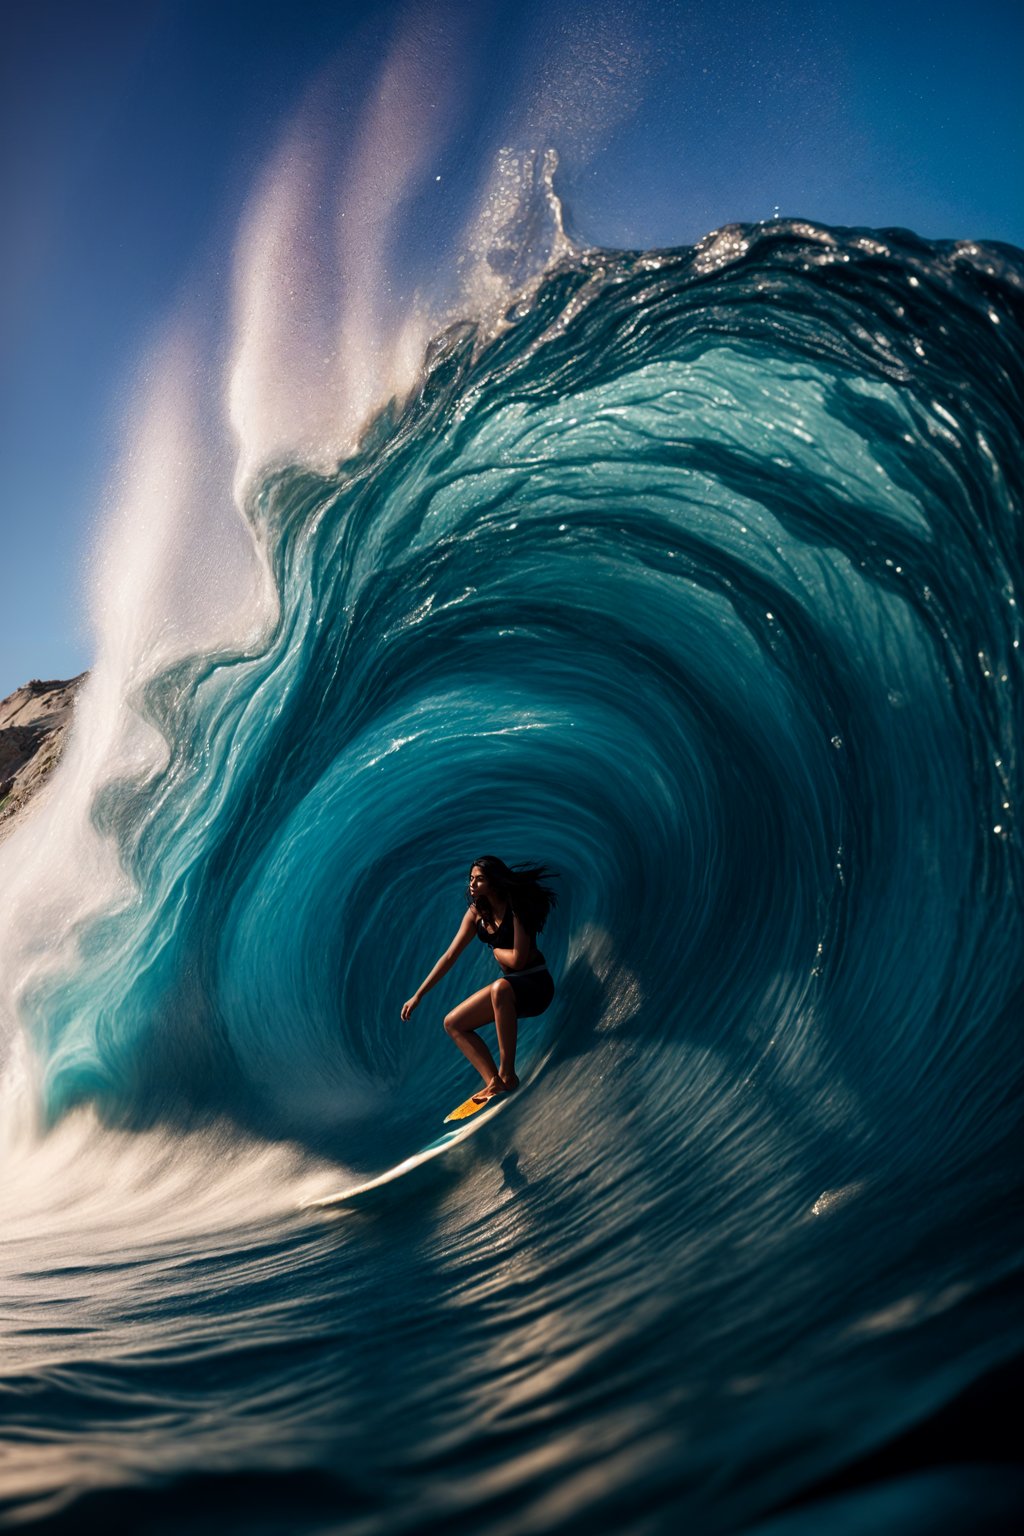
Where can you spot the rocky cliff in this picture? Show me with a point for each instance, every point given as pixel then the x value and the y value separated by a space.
pixel 34 721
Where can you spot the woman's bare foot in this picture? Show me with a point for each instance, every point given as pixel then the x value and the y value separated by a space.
pixel 496 1086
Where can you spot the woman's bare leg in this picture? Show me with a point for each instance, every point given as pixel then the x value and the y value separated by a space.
pixel 503 1002
pixel 462 1023
pixel 503 1007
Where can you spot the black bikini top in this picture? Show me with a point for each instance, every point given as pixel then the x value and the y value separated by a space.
pixel 503 936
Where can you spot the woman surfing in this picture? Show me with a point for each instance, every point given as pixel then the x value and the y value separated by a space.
pixel 507 908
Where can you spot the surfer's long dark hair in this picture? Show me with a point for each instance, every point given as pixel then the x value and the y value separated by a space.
pixel 521 887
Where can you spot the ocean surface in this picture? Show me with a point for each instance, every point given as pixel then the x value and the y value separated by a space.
pixel 697 578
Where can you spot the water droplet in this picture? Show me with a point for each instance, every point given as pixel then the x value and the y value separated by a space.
pixel 837 742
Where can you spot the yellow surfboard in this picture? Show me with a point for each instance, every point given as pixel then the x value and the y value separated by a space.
pixel 470 1107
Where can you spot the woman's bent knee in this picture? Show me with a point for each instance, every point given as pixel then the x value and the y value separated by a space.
pixel 500 989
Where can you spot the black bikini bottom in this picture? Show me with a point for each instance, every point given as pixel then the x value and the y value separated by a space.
pixel 533 989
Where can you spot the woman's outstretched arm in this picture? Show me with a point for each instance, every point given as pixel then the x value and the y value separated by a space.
pixel 467 928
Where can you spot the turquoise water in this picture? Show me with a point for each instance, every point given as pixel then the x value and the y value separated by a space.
pixel 698 581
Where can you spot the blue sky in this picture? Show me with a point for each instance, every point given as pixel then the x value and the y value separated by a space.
pixel 131 131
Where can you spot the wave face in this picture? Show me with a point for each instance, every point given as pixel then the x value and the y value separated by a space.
pixel 698 581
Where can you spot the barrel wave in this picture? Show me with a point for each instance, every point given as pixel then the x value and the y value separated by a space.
pixel 696 578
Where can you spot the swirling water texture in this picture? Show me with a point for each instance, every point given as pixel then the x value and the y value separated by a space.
pixel 698 581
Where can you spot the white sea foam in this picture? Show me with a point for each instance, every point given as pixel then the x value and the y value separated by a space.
pixel 175 574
